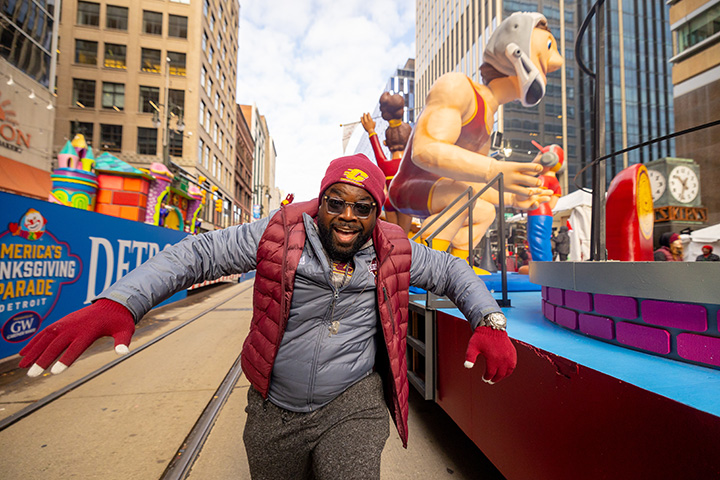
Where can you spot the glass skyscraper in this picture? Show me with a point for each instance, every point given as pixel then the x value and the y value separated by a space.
pixel 638 87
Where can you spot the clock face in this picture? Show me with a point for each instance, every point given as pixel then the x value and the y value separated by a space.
pixel 657 184
pixel 683 183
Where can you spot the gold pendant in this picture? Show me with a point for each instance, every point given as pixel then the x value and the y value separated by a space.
pixel 334 327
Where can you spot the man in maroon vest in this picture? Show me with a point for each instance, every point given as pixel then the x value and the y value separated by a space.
pixel 325 354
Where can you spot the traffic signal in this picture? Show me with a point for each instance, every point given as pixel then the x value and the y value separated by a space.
pixel 203 192
pixel 219 205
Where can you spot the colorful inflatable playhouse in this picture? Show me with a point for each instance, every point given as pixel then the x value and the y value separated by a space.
pixel 74 184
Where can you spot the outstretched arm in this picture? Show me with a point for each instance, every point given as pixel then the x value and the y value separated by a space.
pixel 116 311
pixel 450 102
pixel 444 274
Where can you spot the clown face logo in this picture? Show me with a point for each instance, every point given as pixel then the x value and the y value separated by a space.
pixel 355 175
pixel 31 225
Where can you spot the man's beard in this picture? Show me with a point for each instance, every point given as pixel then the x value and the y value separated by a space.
pixel 340 253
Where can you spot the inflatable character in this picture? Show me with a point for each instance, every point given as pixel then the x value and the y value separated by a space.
pixel 539 229
pixel 448 149
pixel 396 137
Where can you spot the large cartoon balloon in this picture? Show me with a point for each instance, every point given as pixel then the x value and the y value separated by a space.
pixel 448 149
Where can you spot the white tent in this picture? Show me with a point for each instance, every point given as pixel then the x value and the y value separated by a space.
pixel 576 208
pixel 692 244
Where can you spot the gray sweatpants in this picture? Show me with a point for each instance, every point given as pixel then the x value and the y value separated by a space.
pixel 344 439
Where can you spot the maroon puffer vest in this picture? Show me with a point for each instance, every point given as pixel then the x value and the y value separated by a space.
pixel 278 257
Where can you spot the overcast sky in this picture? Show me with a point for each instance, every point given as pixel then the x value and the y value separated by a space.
pixel 310 65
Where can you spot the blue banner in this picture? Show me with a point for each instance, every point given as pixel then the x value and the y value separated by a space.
pixel 56 259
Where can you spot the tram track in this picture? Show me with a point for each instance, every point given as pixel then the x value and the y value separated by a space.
pixel 181 463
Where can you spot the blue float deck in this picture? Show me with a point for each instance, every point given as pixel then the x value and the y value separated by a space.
pixel 692 385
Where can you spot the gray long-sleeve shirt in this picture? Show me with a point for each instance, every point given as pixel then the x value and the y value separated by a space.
pixel 313 364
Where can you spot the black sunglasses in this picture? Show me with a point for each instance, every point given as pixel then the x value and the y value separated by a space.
pixel 359 209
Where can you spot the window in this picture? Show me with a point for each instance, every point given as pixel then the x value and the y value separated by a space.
pixel 202 111
pixel 222 108
pixel 215 135
pixel 208 120
pixel 148 95
pixel 210 55
pixel 116 18
pixel 217 102
pixel 113 95
pixel 222 81
pixel 208 90
pixel 83 93
pixel 224 54
pixel 177 26
pixel 88 13
pixel 218 41
pixel 206 7
pixel 177 98
pixel 147 141
pixel 204 42
pixel 697 29
pixel 86 129
pixel 177 63
pixel 176 143
pixel 152 22
pixel 206 159
pixel 203 74
pixel 115 55
pixel 86 52
pixel 212 22
pixel 200 151
pixel 151 60
pixel 215 165
pixel 217 70
pixel 111 137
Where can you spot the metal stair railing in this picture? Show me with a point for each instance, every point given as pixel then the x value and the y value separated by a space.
pixel 427 347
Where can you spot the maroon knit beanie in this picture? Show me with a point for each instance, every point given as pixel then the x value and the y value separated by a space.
pixel 674 237
pixel 356 170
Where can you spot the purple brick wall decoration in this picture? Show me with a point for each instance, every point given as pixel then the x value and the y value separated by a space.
pixel 566 318
pixel 646 338
pixel 601 327
pixel 685 316
pixel 555 295
pixel 549 311
pixel 578 300
pixel 699 348
pixel 616 306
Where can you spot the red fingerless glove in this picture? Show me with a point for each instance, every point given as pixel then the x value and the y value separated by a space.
pixel 499 352
pixel 75 332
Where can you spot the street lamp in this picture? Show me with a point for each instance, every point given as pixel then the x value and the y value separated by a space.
pixel 168 110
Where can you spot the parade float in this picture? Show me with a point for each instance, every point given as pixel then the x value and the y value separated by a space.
pixel 55 259
pixel 618 357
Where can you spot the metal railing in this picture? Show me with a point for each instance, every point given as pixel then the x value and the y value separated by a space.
pixel 433 301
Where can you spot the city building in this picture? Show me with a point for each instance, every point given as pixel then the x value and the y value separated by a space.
pixel 638 87
pixel 27 104
pixel 695 26
pixel 263 171
pixel 402 82
pixel 244 150
pixel 451 35
pixel 154 81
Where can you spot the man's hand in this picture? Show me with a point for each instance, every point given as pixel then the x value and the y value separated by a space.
pixel 517 177
pixel 498 350
pixel 75 332
pixel 368 123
